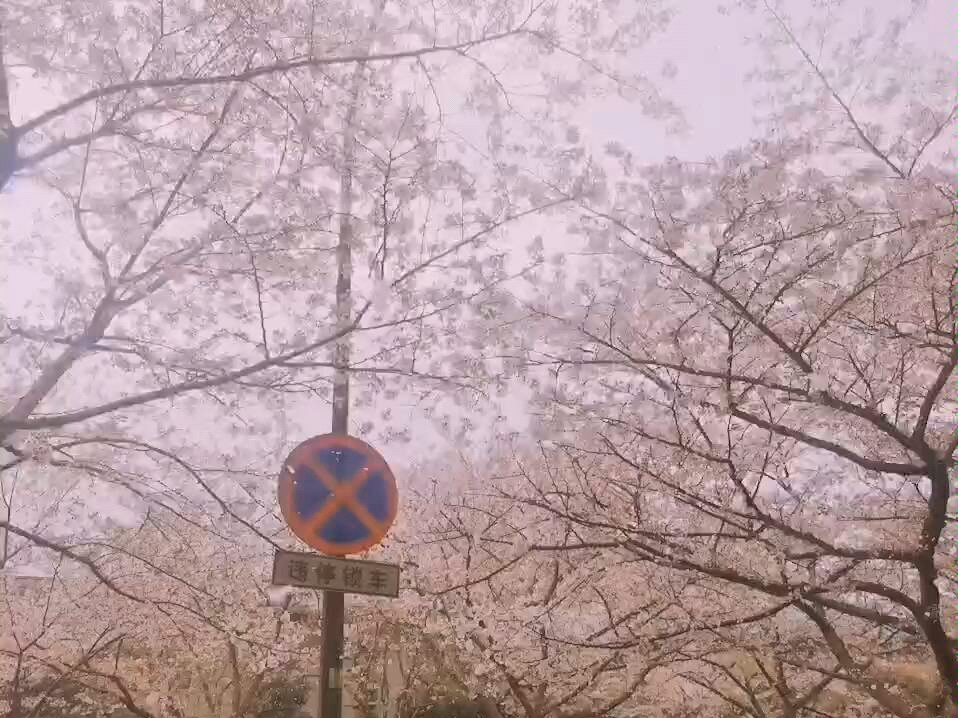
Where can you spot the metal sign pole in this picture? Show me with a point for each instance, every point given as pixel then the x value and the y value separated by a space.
pixel 334 604
pixel 331 655
pixel 334 608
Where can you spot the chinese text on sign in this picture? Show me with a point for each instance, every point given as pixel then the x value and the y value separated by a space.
pixel 309 570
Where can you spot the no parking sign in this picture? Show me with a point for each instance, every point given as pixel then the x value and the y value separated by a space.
pixel 337 494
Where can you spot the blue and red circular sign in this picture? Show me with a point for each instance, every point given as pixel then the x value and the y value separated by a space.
pixel 337 494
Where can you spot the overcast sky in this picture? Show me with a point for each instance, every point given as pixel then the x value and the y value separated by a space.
pixel 711 55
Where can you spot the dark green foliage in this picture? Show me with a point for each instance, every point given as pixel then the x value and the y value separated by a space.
pixel 50 696
pixel 57 697
pixel 281 697
pixel 454 709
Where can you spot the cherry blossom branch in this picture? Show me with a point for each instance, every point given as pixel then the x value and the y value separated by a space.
pixel 126 697
pixel 714 510
pixel 886 467
pixel 841 103
pixel 251 74
pixel 712 283
pixel 856 293
pixel 854 670
pixel 69 553
pixel 873 416
pixel 934 391
pixel 743 708
pixel 119 442
pixel 8 426
pixel 9 134
pixel 611 703
pixel 63 673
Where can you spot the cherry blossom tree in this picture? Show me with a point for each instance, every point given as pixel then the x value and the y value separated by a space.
pixel 398 666
pixel 751 391
pixel 176 622
pixel 33 684
pixel 177 179
pixel 528 607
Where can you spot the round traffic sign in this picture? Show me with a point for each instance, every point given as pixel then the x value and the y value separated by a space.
pixel 337 494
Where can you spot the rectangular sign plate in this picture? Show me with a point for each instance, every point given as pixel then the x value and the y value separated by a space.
pixel 312 570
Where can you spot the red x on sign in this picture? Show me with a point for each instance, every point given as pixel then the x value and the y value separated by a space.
pixel 337 494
